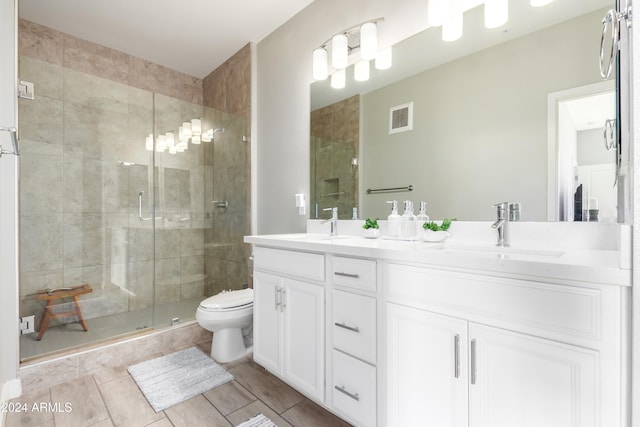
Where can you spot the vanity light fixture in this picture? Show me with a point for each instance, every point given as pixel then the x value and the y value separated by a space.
pixel 362 39
pixel 496 13
pixel 540 3
pixel 437 12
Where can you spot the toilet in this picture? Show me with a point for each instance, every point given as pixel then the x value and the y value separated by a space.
pixel 229 315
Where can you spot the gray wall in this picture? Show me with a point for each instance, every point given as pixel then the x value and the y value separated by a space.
pixel 480 125
pixel 283 103
pixel 591 150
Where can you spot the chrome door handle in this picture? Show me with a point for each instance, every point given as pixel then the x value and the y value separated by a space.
pixel 351 395
pixel 352 275
pixel 350 328
pixel 140 209
pixel 473 361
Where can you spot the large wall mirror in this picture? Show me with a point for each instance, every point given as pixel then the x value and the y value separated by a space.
pixel 511 114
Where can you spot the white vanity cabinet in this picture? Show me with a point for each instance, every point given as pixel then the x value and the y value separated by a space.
pixel 472 350
pixel 352 331
pixel 288 315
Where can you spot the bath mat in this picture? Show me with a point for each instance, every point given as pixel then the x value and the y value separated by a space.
pixel 176 377
pixel 258 421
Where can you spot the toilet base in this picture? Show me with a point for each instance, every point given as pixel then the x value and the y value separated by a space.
pixel 228 345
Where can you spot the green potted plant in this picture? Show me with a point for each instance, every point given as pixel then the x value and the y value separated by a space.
pixel 437 233
pixel 371 228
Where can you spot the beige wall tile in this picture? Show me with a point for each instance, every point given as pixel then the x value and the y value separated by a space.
pixel 37 41
pixel 42 376
pixel 94 59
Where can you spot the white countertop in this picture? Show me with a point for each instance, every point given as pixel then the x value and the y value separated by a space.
pixel 601 266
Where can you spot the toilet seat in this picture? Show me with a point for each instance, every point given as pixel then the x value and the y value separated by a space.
pixel 228 300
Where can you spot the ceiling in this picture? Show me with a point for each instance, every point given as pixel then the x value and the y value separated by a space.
pixel 190 36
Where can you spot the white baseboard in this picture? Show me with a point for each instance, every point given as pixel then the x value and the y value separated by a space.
pixel 10 390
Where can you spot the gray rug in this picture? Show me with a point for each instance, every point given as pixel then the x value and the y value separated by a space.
pixel 176 377
pixel 258 421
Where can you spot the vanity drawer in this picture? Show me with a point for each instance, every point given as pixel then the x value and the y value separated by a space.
pixel 301 264
pixel 354 325
pixel 354 389
pixel 354 273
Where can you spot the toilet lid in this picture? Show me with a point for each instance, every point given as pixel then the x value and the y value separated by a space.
pixel 228 299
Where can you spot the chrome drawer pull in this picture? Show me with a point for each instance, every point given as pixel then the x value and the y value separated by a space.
pixel 344 390
pixel 474 362
pixel 352 275
pixel 350 328
pixel 456 352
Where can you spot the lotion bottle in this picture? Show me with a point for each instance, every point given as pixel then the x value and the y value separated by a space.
pixel 393 220
pixel 422 217
pixel 408 221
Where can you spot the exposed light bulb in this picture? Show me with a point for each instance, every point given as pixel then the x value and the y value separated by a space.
pixel 452 28
pixel 320 64
pixel 496 13
pixel 368 40
pixel 339 51
pixel 361 71
pixel 338 79
pixel 384 59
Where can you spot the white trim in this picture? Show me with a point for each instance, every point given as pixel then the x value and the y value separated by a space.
pixel 254 138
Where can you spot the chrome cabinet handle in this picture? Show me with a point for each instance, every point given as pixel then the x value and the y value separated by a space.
pixel 456 358
pixel 350 328
pixel 283 299
pixel 351 395
pixel 352 275
pixel 473 361
pixel 276 299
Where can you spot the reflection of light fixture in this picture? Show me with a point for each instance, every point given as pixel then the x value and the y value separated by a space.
pixel 496 13
pixel 384 59
pixel 196 127
pixel 539 3
pixel 363 39
pixel 452 28
pixel 361 70
pixel 338 79
pixel 177 142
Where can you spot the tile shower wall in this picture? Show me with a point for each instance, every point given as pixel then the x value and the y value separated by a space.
pixel 84 164
pixel 335 136
pixel 227 95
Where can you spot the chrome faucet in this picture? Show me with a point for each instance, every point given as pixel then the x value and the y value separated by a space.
pixel 502 224
pixel 333 220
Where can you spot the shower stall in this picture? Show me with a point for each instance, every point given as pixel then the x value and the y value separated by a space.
pixel 140 195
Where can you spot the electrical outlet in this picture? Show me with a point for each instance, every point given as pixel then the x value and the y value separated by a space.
pixel 27 325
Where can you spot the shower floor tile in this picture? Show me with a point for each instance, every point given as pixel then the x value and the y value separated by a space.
pixel 68 336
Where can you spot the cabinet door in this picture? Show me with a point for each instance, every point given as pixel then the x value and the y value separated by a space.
pixel 427 369
pixel 304 336
pixel 525 381
pixel 267 336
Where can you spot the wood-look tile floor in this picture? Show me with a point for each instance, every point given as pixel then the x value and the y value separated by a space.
pixel 112 398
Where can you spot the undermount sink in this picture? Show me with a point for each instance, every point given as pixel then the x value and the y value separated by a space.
pixel 502 250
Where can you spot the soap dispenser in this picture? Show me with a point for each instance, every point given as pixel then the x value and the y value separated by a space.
pixel 408 221
pixel 422 217
pixel 393 220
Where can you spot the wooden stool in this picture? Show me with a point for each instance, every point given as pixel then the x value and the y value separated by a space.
pixel 50 295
